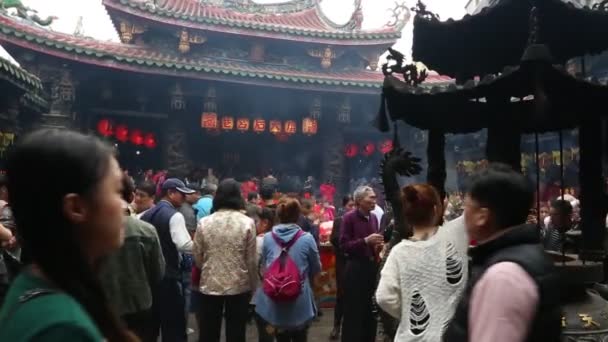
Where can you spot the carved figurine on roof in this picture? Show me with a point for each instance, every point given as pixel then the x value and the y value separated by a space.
pixel 24 12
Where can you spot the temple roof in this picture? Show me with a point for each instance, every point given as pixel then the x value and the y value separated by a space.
pixel 300 20
pixel 121 56
pixel 27 84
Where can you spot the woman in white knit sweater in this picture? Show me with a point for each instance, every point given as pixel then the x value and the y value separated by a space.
pixel 424 276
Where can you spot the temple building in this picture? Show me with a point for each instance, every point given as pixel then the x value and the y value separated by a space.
pixel 232 84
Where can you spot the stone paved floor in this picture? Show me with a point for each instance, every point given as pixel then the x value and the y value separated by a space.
pixel 319 331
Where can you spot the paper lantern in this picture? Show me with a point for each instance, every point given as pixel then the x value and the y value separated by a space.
pixel 122 133
pixel 368 149
pixel 275 127
pixel 104 127
pixel 385 146
pixel 259 125
pixel 309 126
pixel 351 150
pixel 150 140
pixel 137 137
pixel 290 127
pixel 242 124
pixel 209 121
pixel 227 122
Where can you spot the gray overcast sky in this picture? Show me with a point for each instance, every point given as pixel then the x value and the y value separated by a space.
pixel 376 12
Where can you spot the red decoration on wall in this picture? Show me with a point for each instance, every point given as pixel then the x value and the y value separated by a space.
pixel 259 125
pixel 385 146
pixel 351 150
pixel 227 122
pixel 209 121
pixel 104 127
pixel 122 133
pixel 150 140
pixel 242 124
pixel 309 126
pixel 290 127
pixel 137 137
pixel 275 127
pixel 368 149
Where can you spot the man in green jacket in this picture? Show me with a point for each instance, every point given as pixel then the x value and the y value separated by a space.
pixel 129 275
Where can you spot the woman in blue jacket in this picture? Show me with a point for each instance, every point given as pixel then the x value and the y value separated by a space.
pixel 289 321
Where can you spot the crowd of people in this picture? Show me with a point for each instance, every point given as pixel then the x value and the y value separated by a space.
pixel 102 257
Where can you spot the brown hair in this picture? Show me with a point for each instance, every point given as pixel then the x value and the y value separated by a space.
pixel 420 202
pixel 288 210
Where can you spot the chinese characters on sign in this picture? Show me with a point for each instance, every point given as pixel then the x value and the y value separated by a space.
pixel 209 121
pixel 290 127
pixel 309 126
pixel 213 123
pixel 259 125
pixel 227 122
pixel 242 124
pixel 275 127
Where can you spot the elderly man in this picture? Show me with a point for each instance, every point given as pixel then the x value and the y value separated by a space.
pixel 360 242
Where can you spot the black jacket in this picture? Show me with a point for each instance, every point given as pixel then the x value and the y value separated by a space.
pixel 520 245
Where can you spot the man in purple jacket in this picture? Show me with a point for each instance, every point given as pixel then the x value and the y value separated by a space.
pixel 360 242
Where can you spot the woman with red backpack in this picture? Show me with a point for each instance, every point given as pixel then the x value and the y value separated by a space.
pixel 285 302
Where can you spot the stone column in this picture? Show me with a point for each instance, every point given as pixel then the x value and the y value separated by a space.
pixel 176 148
pixel 62 98
pixel 334 166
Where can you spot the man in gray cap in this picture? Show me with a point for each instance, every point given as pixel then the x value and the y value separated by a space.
pixel 168 299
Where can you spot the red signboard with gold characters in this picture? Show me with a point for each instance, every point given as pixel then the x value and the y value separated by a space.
pixel 242 124
pixel 259 125
pixel 275 127
pixel 209 121
pixel 309 126
pixel 227 122
pixel 290 127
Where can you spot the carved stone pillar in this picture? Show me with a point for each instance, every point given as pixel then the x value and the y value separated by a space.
pixel 62 98
pixel 176 148
pixel 334 165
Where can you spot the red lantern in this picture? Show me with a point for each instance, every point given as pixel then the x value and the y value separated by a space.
pixel 259 125
pixel 104 127
pixel 137 137
pixel 385 146
pixel 351 150
pixel 122 133
pixel 227 123
pixel 290 127
pixel 242 124
pixel 150 140
pixel 368 149
pixel 309 126
pixel 275 127
pixel 209 121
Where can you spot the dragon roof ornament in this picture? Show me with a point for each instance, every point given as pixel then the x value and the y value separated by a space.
pixel 400 15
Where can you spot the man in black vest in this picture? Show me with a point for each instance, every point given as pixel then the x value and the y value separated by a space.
pixel 168 304
pixel 513 294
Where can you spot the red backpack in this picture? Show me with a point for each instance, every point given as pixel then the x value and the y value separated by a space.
pixel 282 279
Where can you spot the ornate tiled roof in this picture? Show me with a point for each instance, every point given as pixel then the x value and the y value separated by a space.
pixel 301 20
pixel 147 60
pixel 18 76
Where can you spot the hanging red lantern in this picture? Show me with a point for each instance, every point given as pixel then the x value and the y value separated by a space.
pixel 385 146
pixel 227 123
pixel 122 133
pixel 351 150
pixel 309 126
pixel 275 127
pixel 290 127
pixel 104 127
pixel 137 137
pixel 150 140
pixel 368 149
pixel 209 121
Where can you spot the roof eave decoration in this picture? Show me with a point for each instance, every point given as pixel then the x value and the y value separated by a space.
pixel 19 77
pixel 262 25
pixel 449 47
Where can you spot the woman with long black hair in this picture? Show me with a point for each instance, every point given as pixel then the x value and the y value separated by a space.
pixel 77 220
